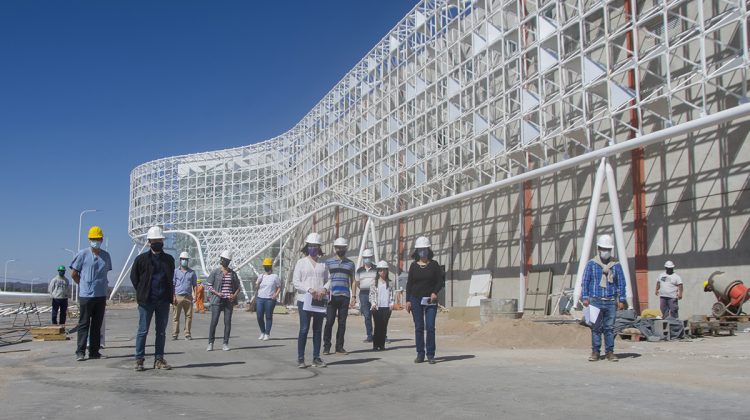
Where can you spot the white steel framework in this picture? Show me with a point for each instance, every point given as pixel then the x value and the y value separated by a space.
pixel 459 98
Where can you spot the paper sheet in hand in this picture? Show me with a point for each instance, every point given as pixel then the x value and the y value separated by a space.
pixel 314 305
pixel 591 314
pixel 426 301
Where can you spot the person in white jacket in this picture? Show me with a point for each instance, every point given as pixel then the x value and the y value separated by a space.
pixel 310 280
pixel 381 303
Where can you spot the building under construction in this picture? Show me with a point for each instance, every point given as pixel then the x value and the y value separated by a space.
pixel 495 128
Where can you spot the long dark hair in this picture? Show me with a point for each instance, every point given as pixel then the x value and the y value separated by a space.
pixel 387 277
pixel 430 254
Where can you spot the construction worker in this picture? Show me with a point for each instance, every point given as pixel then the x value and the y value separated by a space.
pixel 309 280
pixel 152 277
pixel 425 281
pixel 222 286
pixel 89 270
pixel 340 278
pixel 603 287
pixel 381 303
pixel 200 297
pixel 185 280
pixel 58 291
pixel 669 290
pixel 365 278
pixel 268 286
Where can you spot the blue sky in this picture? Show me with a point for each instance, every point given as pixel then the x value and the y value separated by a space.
pixel 90 89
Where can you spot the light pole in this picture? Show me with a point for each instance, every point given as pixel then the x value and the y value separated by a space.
pixel 32 284
pixel 69 250
pixel 5 285
pixel 78 246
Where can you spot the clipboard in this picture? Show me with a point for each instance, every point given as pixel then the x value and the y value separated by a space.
pixel 314 305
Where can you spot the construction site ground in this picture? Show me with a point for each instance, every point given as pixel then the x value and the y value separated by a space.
pixel 514 369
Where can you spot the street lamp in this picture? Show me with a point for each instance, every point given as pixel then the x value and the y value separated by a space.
pixel 5 285
pixel 78 247
pixel 32 284
pixel 69 250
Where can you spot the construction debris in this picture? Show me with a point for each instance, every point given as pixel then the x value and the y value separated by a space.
pixel 49 333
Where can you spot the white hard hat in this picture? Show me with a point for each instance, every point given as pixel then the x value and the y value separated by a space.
pixel 422 242
pixel 226 254
pixel 669 264
pixel 155 233
pixel 340 242
pixel 605 241
pixel 184 255
pixel 367 253
pixel 382 264
pixel 314 238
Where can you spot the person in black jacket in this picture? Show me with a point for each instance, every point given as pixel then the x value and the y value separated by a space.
pixel 151 276
pixel 425 280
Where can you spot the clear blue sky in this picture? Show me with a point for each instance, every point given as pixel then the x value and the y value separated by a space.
pixel 90 89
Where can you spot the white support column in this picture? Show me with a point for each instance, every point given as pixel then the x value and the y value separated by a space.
pixel 364 242
pixel 242 286
pixel 619 235
pixel 588 237
pixel 521 252
pixel 125 269
pixel 374 237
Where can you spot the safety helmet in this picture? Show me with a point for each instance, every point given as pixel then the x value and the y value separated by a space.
pixel 605 241
pixel 367 253
pixel 61 268
pixel 96 232
pixel 705 283
pixel 314 238
pixel 226 254
pixel 155 232
pixel 382 264
pixel 340 242
pixel 422 242
pixel 267 261
pixel 669 264
pixel 184 255
pixel 199 281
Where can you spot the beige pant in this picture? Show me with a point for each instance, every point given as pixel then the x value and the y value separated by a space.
pixel 184 303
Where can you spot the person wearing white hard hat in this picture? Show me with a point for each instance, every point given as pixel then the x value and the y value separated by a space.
pixel 425 281
pixel 340 277
pixel 669 290
pixel 363 281
pixel 222 286
pixel 151 275
pixel 603 286
pixel 185 281
pixel 309 278
pixel 381 303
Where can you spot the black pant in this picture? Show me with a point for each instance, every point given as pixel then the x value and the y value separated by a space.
pixel 90 323
pixel 225 305
pixel 59 305
pixel 338 305
pixel 381 317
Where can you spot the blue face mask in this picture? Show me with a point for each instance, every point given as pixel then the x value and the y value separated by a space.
pixel 95 244
pixel 423 253
pixel 367 261
pixel 313 251
pixel 184 263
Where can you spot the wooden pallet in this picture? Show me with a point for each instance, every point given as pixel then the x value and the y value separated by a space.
pixel 700 328
pixel 49 330
pixel 49 337
pixel 728 318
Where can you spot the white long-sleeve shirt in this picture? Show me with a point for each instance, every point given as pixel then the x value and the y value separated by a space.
pixel 308 275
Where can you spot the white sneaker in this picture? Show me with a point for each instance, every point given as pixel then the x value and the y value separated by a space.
pixel 225 347
pixel 210 347
pixel 261 337
pixel 266 337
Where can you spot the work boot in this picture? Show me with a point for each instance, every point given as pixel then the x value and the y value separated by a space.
pixel 139 365
pixel 611 356
pixel 419 359
pixel 161 364
pixel 594 357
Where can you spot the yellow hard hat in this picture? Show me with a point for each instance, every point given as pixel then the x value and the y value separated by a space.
pixel 267 261
pixel 96 232
pixel 199 281
pixel 705 283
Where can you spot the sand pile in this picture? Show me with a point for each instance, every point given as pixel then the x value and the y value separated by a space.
pixel 518 333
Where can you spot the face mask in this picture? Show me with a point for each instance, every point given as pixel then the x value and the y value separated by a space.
pixel 341 252
pixel 605 254
pixel 423 253
pixel 670 271
pixel 95 244
pixel 367 261
pixel 224 262
pixel 268 269
pixel 313 251
pixel 184 263
pixel 61 273
pixel 157 246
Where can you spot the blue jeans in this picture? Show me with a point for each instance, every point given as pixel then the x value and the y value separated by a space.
pixel 145 313
pixel 264 312
pixel 605 324
pixel 424 318
pixel 365 310
pixel 304 327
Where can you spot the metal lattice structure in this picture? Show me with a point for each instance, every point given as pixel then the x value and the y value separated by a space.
pixel 458 97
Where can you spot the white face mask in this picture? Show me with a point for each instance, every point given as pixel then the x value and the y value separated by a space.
pixel 95 244
pixel 184 263
pixel 605 254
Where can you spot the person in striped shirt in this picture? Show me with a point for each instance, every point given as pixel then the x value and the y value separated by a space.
pixel 223 286
pixel 603 286
pixel 340 277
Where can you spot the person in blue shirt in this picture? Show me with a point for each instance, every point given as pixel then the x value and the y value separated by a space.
pixel 340 278
pixel 151 275
pixel 185 281
pixel 89 270
pixel 603 286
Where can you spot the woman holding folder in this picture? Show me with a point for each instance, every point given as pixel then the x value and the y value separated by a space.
pixel 309 279
pixel 425 280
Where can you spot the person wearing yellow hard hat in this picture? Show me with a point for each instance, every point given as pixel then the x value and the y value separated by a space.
pixel 200 297
pixel 268 287
pixel 89 270
pixel 185 280
pixel 669 290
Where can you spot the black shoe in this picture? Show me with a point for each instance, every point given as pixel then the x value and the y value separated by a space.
pixel 326 350
pixel 174 337
pixel 342 351
pixel 97 356
pixel 419 359
pixel 431 360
